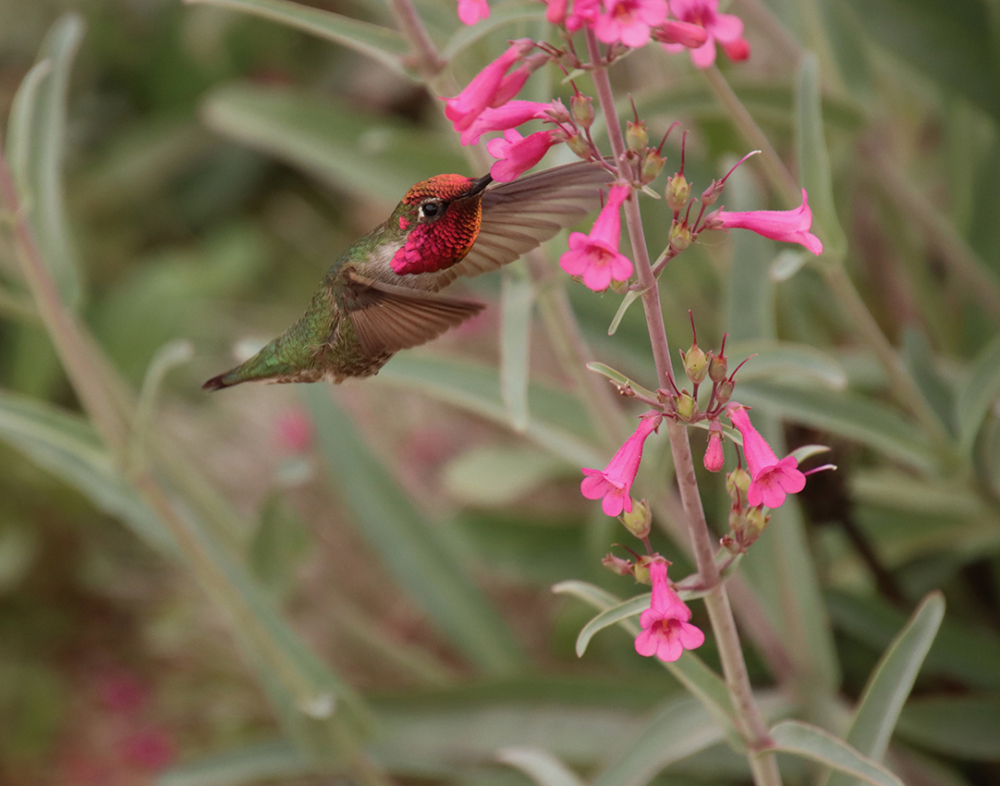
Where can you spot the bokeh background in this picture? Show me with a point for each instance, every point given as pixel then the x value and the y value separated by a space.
pixel 409 528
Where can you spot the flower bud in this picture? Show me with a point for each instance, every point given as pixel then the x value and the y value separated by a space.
pixel 714 454
pixel 618 287
pixel 680 237
pixel 641 571
pixel 638 520
pixel 724 391
pixel 678 192
pixel 687 407
pixel 717 367
pixel 557 111
pixel 710 194
pixel 583 110
pixel 579 145
pixel 695 364
pixel 636 136
pixel 756 523
pixel 738 480
pixel 617 565
pixel 652 165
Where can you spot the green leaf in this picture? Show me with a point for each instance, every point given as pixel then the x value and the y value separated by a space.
pixel 977 394
pixel 419 558
pixel 388 47
pixel 498 475
pixel 692 673
pixel 632 607
pixel 846 415
pixel 517 297
pixel 621 379
pixel 681 728
pixel 813 161
pixel 275 759
pixel 557 421
pixel 964 727
pixel 812 742
pixel 630 297
pixel 365 154
pixel 35 149
pixel 277 546
pixel 890 683
pixel 772 359
pixel 500 16
pixel 539 765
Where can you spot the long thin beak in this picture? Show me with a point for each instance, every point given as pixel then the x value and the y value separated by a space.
pixel 480 185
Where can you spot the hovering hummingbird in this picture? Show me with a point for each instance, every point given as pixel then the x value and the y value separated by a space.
pixel 380 296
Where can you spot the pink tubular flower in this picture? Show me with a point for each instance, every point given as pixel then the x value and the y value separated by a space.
pixel 727 29
pixel 771 480
pixel 471 11
pixel 629 21
pixel 684 33
pixel 485 90
pixel 555 11
pixel 788 226
pixel 714 454
pixel 518 154
pixel 666 631
pixel 584 14
pixel 595 257
pixel 614 482
pixel 510 115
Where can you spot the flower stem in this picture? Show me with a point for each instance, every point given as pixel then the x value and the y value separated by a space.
pixel 749 718
pixel 428 60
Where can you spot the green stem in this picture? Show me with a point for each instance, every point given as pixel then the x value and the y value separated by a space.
pixel 749 718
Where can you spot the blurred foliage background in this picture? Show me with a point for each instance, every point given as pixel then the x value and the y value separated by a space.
pixel 400 535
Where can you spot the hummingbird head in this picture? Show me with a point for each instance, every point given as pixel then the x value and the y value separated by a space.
pixel 440 219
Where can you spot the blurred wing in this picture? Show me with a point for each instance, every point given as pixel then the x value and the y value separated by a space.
pixel 520 215
pixel 388 318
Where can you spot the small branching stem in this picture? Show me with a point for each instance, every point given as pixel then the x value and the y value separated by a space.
pixel 749 718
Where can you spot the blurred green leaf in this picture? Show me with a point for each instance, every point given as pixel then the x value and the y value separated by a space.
pixel 813 160
pixel 978 393
pixel 949 42
pixel 388 47
pixel 277 545
pixel 557 423
pixel 418 558
pixel 250 764
pixel 365 154
pixel 774 359
pixel 679 729
pixel 500 16
pixel 812 742
pixel 621 379
pixel 921 363
pixel 497 475
pixel 517 296
pixel 891 682
pixel 965 727
pixel 36 148
pixel 539 765
pixel 846 415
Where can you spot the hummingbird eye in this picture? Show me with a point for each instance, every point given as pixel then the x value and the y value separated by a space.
pixel 431 209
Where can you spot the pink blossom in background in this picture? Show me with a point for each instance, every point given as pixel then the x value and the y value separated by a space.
pixel 595 257
pixel 614 482
pixel 471 11
pixel 485 90
pixel 584 14
pixel 727 29
pixel 555 11
pixel 666 631
pixel 629 21
pixel 771 480
pixel 123 692
pixel 738 50
pixel 293 431
pixel 788 226
pixel 510 115
pixel 150 749
pixel 518 154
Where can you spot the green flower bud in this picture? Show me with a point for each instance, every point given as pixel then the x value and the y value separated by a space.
pixel 717 367
pixel 583 110
pixel 636 136
pixel 724 391
pixel 652 165
pixel 678 192
pixel 738 480
pixel 579 145
pixel 680 236
pixel 638 520
pixel 687 407
pixel 695 364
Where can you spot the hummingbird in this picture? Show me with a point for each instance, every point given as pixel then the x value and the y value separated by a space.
pixel 380 296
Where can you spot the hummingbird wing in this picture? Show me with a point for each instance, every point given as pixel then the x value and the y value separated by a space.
pixel 388 318
pixel 519 215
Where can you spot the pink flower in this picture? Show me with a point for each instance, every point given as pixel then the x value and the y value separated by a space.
pixel 510 115
pixel 714 454
pixel 490 87
pixel 471 11
pixel 584 14
pixel 788 226
pixel 518 154
pixel 666 631
pixel 771 480
pixel 293 431
pixel 684 33
pixel 595 256
pixel 148 749
pixel 724 28
pixel 629 21
pixel 614 482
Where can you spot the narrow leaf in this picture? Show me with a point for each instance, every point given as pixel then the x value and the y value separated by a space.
pixel 890 683
pixel 965 727
pixel 380 43
pixel 277 759
pixel 978 393
pixel 416 555
pixel 517 298
pixel 500 16
pixel 772 359
pixel 812 742
pixel 539 765
pixel 621 379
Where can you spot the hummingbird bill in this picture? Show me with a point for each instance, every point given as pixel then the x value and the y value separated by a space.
pixel 381 295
